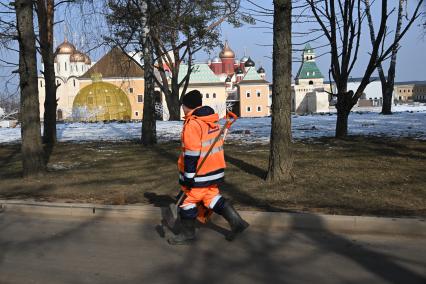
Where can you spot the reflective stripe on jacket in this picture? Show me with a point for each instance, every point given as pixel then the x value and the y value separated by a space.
pixel 200 129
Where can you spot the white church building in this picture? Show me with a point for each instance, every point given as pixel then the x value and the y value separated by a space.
pixel 69 65
pixel 308 91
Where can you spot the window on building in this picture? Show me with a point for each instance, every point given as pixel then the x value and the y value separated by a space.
pixel 65 66
pixel 258 93
pixel 207 95
pixel 400 90
pixel 108 99
pixel 259 108
pixel 136 113
pixel 404 91
pixel 90 100
pixel 57 82
pixel 41 83
pixel 214 95
pixel 313 73
pixel 248 94
pixel 140 98
pixel 248 109
pixel 307 73
pixel 131 90
pixel 73 82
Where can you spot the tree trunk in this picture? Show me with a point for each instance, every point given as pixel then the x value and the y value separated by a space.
pixel 45 11
pixel 388 91
pixel 31 147
pixel 342 124
pixel 174 104
pixel 149 131
pixel 343 106
pixel 280 156
pixel 387 99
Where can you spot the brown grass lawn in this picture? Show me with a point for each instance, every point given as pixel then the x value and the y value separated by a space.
pixel 362 176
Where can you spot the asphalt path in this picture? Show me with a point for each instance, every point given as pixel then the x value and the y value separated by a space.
pixel 46 249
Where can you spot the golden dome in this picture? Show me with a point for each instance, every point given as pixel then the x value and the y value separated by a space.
pixel 101 101
pixel 65 48
pixel 87 60
pixel 77 56
pixel 227 52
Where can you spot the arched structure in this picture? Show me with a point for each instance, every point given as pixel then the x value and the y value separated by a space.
pixel 101 101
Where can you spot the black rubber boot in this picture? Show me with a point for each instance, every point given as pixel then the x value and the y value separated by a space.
pixel 238 225
pixel 186 235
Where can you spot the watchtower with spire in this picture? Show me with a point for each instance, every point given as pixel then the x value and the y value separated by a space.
pixel 309 73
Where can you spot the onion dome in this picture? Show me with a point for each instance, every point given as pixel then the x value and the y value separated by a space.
pixel 244 59
pixel 87 60
pixel 261 70
pixel 77 56
pixel 249 63
pixel 65 48
pixel 227 52
pixel 216 60
pixel 228 79
pixel 239 71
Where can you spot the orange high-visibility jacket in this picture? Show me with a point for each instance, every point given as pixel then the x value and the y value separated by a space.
pixel 200 129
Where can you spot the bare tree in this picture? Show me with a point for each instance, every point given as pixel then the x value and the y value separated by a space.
pixel 341 22
pixel 31 148
pixel 178 29
pixel 280 155
pixel 149 130
pixel 45 10
pixel 388 81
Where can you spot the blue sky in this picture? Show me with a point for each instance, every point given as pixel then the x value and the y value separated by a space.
pixel 411 59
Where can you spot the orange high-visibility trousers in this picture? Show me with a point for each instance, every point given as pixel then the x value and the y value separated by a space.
pixel 207 195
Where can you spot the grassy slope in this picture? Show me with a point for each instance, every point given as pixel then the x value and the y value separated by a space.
pixel 363 176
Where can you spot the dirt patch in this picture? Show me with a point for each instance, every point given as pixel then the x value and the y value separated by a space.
pixel 361 176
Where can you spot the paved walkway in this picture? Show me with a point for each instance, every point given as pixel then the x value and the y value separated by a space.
pixel 49 249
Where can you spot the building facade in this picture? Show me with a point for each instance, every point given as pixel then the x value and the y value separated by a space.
pixel 110 89
pixel 122 80
pixel 309 91
pixel 69 65
pixel 411 91
pixel 246 89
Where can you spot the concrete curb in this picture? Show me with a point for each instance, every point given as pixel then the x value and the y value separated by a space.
pixel 277 220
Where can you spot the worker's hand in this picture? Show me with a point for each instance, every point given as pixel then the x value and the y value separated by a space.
pixel 189 182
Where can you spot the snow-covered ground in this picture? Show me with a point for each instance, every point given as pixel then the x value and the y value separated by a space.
pixel 407 121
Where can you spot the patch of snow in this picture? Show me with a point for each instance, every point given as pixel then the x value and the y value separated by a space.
pixel 407 121
pixel 62 166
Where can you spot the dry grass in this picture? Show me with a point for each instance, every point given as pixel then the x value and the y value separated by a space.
pixel 363 176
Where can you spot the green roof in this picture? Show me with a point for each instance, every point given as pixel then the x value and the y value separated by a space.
pixel 201 73
pixel 252 75
pixel 309 70
pixel 308 48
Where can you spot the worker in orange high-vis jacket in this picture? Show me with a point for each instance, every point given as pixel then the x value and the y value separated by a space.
pixel 199 132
